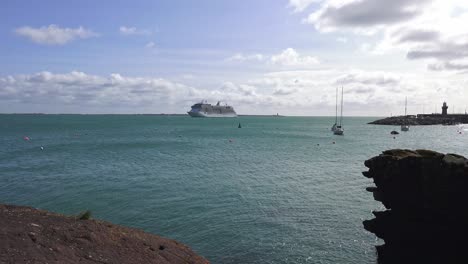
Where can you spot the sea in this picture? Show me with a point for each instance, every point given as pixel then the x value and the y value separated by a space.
pixel 277 190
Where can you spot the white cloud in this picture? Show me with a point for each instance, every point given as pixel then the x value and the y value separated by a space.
pixel 454 65
pixel 240 57
pixel 119 93
pixel 366 92
pixel 303 92
pixel 124 30
pixel 243 89
pixel 83 89
pixel 363 77
pixel 342 40
pixel 437 36
pixel 290 57
pixel 150 45
pixel 432 31
pixel 282 91
pixel 301 5
pixel 54 35
pixel 363 14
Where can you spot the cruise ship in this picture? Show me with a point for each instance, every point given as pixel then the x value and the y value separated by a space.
pixel 204 109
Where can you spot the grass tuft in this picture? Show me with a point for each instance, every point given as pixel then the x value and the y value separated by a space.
pixel 86 215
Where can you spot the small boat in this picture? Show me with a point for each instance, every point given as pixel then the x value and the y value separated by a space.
pixel 339 128
pixel 338 131
pixel 405 126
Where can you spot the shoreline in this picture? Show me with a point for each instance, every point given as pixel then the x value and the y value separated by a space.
pixel 423 120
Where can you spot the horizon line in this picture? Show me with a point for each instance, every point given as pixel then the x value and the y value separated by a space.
pixel 174 114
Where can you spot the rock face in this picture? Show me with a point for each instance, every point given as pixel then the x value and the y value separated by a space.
pixel 28 235
pixel 426 197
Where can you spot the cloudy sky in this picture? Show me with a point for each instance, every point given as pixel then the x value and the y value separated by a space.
pixel 261 56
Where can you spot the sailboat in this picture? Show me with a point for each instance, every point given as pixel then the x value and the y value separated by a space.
pixel 405 126
pixel 336 112
pixel 339 128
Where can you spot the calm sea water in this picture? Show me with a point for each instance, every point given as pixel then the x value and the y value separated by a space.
pixel 275 191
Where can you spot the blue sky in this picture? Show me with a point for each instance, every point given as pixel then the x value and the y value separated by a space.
pixel 261 56
pixel 187 31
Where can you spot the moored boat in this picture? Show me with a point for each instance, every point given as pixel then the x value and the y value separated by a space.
pixel 339 127
pixel 405 127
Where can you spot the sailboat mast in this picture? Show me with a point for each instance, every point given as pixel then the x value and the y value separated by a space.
pixel 406 102
pixel 341 117
pixel 336 106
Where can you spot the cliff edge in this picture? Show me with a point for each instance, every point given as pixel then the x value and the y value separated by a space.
pixel 29 235
pixel 425 194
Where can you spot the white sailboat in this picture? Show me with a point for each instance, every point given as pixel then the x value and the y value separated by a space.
pixel 336 112
pixel 339 128
pixel 405 126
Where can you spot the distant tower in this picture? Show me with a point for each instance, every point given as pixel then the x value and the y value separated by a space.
pixel 444 108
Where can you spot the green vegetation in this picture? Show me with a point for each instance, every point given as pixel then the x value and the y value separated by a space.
pixel 86 215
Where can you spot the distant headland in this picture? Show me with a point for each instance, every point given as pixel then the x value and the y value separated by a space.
pixel 443 118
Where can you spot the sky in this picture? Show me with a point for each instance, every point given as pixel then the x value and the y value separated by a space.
pixel 260 56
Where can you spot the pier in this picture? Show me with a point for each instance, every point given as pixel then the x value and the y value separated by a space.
pixel 425 119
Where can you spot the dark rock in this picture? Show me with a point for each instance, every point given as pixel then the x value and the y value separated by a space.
pixel 425 195
pixel 367 174
pixel 429 153
pixel 371 189
pixel 454 160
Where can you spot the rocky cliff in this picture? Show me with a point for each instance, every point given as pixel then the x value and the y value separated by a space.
pixel 425 194
pixel 28 235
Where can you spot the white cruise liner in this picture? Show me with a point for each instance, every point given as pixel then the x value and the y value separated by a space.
pixel 204 109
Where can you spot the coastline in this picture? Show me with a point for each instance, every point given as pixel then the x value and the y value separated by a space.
pixel 423 120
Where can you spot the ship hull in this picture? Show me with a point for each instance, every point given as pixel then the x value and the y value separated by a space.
pixel 201 114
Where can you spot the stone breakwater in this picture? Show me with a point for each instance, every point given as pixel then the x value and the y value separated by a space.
pixel 28 235
pixel 422 120
pixel 425 194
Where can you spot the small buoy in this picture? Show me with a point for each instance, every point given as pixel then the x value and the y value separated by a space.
pixel 42 148
pixel 318 144
pixel 26 138
pixel 394 137
pixel 230 140
pixel 334 142
pixel 239 126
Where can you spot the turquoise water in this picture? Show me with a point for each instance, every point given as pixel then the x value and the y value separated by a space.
pixel 265 193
